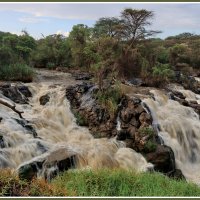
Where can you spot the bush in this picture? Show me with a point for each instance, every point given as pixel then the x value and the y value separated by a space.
pixel 80 119
pixel 110 98
pixel 147 131
pixel 11 185
pixel 16 72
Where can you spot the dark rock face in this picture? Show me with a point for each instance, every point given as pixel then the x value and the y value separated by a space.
pixel 17 93
pixel 44 99
pixel 84 106
pixel 48 165
pixel 178 96
pixel 176 174
pixel 24 90
pixel 163 159
pixel 187 82
pixel 27 126
pixel 2 144
pixel 82 76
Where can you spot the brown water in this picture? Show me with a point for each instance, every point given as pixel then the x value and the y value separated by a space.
pixel 56 128
pixel 180 129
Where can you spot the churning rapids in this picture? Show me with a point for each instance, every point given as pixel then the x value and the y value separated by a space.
pixel 56 127
pixel 179 127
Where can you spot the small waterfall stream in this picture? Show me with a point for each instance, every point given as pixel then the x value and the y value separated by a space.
pixel 180 129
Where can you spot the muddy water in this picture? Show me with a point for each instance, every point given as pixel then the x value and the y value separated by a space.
pixel 56 127
pixel 180 129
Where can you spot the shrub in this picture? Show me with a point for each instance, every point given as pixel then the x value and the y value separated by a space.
pixel 110 98
pixel 150 146
pixel 11 185
pixel 16 72
pixel 147 131
pixel 80 119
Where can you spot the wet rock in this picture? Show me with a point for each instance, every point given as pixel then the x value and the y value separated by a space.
pixel 122 135
pixel 1 119
pixel 13 92
pixel 2 144
pixel 48 165
pixel 89 112
pixel 27 126
pixel 162 159
pixel 82 76
pixel 44 99
pixel 176 174
pixel 136 81
pixel 24 90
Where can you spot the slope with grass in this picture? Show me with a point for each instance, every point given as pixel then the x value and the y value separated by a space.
pixel 122 183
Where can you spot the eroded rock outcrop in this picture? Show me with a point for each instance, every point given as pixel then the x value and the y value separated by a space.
pixel 131 124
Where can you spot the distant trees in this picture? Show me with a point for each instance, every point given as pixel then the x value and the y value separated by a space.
pixel 51 52
pixel 121 47
pixel 78 39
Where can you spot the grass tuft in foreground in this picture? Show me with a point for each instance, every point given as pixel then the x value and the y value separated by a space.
pixel 97 183
pixel 122 183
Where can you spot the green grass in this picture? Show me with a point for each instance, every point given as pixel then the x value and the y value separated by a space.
pixel 122 183
pixel 16 72
pixel 109 98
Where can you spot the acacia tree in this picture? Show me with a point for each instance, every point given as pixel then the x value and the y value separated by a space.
pixel 106 26
pixel 134 23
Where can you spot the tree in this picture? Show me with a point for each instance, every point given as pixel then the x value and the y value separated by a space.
pixel 134 23
pixel 78 38
pixel 106 26
pixel 51 52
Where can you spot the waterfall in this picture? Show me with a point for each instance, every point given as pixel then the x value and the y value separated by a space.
pixel 180 129
pixel 56 128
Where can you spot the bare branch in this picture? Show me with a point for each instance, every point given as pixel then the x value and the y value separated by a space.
pixel 11 106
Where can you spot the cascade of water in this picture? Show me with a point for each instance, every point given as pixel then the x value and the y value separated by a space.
pixel 180 129
pixel 56 127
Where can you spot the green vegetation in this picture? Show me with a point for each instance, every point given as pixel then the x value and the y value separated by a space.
pixel 102 182
pixel 121 47
pixel 147 131
pixel 109 98
pixel 11 185
pixel 122 183
pixel 17 72
pixel 80 119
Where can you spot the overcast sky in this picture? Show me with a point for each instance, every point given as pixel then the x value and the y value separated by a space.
pixel 48 18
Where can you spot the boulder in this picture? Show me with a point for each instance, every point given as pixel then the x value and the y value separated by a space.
pixel 162 159
pixel 48 165
pixel 176 174
pixel 24 90
pixel 44 99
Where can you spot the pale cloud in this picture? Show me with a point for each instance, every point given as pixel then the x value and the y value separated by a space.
pixel 60 32
pixel 168 16
pixel 31 20
pixel 17 33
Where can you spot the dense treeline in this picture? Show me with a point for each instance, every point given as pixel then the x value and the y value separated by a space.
pixel 114 47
